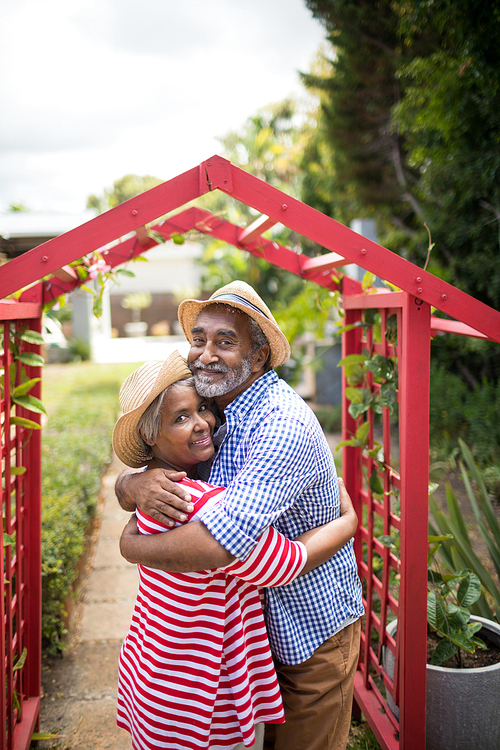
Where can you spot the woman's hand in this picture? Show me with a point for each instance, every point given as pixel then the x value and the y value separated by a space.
pixel 156 493
pixel 324 541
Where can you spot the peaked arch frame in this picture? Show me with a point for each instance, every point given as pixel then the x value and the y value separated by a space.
pixel 44 274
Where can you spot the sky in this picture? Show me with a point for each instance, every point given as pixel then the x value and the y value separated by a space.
pixel 91 90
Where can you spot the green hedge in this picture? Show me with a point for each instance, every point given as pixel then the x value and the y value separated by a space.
pixel 82 407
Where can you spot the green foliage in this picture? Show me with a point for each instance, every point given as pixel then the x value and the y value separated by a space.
pixel 448 612
pixel 64 521
pixel 124 188
pixel 409 130
pixel 82 408
pixel 79 350
pixel 329 417
pixel 458 411
pixel 458 552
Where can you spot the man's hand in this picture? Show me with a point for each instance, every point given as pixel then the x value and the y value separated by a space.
pixel 156 493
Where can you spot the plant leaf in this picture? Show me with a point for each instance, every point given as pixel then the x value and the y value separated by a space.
pixel 30 403
pixel 24 388
pixel 32 337
pixel 31 359
pixel 20 662
pixel 352 359
pixel 435 611
pixel 469 589
pixel 374 483
pixel 23 422
pixel 444 650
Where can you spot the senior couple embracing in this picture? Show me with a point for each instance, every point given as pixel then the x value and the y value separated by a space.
pixel 236 501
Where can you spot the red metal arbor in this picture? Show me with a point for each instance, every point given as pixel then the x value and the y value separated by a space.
pixel 20 561
pixel 396 326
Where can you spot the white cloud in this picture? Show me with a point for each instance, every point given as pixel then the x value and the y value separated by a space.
pixel 94 89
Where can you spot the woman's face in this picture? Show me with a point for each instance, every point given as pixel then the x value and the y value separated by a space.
pixel 187 426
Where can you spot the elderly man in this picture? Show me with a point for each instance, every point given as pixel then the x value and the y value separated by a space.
pixel 278 470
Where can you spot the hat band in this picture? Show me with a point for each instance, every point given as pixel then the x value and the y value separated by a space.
pixel 241 300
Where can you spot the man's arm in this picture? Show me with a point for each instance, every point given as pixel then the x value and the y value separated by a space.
pixel 156 493
pixel 181 550
pixel 192 547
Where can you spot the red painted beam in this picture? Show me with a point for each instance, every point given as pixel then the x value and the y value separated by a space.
pixel 324 262
pixel 12 310
pixel 338 238
pixel 255 230
pixel 143 209
pixel 378 720
pixel 455 326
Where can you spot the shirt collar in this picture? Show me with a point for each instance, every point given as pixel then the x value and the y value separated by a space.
pixel 237 409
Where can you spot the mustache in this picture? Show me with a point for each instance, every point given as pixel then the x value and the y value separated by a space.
pixel 214 367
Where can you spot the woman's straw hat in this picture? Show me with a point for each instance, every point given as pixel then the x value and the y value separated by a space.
pixel 137 392
pixel 240 295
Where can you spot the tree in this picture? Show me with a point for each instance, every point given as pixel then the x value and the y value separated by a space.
pixel 269 146
pixel 411 121
pixel 126 187
pixel 410 128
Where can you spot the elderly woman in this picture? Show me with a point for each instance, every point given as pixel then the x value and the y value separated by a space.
pixel 196 669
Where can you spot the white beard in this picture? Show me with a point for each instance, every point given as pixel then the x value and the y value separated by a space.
pixel 234 378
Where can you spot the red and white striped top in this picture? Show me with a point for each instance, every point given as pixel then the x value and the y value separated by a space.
pixel 195 669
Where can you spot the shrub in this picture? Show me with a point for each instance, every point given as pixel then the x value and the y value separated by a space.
pixel 82 406
pixel 482 411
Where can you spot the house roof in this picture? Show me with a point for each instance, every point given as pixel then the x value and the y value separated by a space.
pixel 344 245
pixel 21 231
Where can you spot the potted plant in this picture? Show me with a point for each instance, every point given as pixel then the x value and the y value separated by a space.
pixel 461 701
pixel 136 301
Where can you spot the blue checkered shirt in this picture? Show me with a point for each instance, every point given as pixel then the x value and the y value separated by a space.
pixel 279 471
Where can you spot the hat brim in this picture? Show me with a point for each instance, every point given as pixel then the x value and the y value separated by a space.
pixel 189 310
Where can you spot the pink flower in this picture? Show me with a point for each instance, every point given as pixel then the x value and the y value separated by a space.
pixel 99 267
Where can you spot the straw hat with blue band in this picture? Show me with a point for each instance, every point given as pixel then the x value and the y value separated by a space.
pixel 241 296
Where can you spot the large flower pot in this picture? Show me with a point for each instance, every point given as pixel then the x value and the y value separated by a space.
pixel 136 328
pixel 462 705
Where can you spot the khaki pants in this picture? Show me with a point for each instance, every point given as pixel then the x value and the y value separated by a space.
pixel 317 696
pixel 259 739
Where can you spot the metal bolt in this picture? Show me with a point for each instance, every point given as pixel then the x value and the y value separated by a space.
pixel 419 290
pixel 45 258
pixel 418 279
pixel 209 163
pixel 135 212
pixel 363 251
pixel 443 296
pixel 284 206
pixel 225 182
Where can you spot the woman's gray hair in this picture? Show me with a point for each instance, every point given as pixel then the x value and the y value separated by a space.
pixel 149 425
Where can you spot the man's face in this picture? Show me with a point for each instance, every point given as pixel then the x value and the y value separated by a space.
pixel 220 353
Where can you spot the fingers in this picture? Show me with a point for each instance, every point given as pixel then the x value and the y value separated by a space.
pixel 345 499
pixel 170 510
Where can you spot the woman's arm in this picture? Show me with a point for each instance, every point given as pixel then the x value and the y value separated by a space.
pixel 277 561
pixel 324 541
